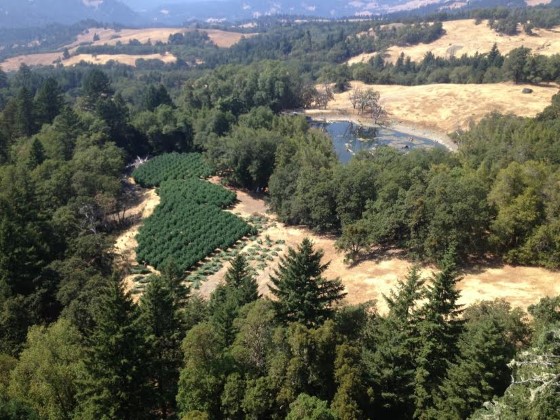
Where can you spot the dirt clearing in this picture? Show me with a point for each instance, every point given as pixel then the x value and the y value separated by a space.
pixel 125 244
pixel 370 280
pixel 448 107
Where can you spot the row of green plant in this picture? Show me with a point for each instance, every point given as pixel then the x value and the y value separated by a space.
pixel 187 234
pixel 176 192
pixel 189 224
pixel 259 253
pixel 171 166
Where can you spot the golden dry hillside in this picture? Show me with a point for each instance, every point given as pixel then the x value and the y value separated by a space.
pixel 466 37
pixel 222 39
pixel 449 107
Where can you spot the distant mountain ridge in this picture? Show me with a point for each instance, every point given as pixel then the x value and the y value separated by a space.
pixel 26 13
pixel 33 13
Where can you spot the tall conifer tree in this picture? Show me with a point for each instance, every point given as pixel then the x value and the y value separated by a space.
pixel 303 294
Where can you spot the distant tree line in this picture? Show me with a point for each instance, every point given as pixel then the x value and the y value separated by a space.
pixel 520 65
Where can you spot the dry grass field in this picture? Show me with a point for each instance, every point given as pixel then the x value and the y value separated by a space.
pixel 127 59
pixel 373 278
pixel 222 39
pixel 465 37
pixel 449 107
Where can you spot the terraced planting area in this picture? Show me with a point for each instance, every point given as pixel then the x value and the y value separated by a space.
pixel 189 224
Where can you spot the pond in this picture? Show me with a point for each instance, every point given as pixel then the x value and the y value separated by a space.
pixel 349 138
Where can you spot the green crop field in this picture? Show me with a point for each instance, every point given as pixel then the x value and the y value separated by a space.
pixel 171 166
pixel 189 224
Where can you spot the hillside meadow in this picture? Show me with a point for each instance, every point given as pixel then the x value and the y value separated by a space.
pixel 468 37
pixel 446 107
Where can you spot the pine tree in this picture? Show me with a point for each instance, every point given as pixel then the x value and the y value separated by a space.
pixel 48 102
pixel 156 97
pixel 163 331
pixel 439 330
pixel 240 288
pixel 394 339
pixel 3 79
pixel 480 373
pixel 115 385
pixel 36 154
pixel 351 394
pixel 302 294
pixel 239 279
pixel 25 123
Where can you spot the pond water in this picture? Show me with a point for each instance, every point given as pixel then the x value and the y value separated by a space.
pixel 349 138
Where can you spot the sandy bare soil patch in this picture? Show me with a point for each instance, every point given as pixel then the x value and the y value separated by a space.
pixel 125 244
pixel 371 279
pixel 465 37
pixel 449 107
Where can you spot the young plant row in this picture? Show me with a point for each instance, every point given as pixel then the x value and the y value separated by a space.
pixel 189 223
pixel 196 191
pixel 187 234
pixel 171 166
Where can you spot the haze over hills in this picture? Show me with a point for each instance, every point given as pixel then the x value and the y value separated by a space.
pixel 18 13
pixel 15 13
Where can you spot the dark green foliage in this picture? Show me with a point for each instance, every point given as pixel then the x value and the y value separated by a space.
pixel 156 96
pixel 202 376
pixel 480 372
pixel 96 86
pixel 351 400
pixel 48 101
pixel 245 157
pixel 439 330
pixel 171 166
pixel 302 294
pixel 308 407
pixel 239 289
pixel 116 379
pixel 188 225
pixel 25 118
pixel 163 327
pixel 392 347
pixel 195 191
pixel 182 230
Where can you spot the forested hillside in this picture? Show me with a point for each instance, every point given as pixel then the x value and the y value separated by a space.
pixel 74 344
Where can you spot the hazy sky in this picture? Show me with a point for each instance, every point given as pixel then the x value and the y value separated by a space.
pixel 149 4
